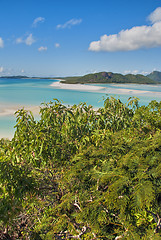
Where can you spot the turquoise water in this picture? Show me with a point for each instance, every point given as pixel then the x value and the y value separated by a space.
pixel 36 91
pixel 33 92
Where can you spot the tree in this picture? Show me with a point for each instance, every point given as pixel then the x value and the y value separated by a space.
pixel 78 173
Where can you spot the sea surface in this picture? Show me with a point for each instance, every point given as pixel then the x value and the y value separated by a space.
pixel 18 93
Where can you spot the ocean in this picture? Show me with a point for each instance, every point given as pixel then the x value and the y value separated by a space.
pixel 18 93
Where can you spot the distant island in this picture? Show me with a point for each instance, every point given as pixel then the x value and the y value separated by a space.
pixel 15 77
pixel 109 77
pixel 103 77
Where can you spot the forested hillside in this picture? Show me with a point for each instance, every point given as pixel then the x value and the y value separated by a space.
pixel 109 77
pixel 155 75
pixel 83 174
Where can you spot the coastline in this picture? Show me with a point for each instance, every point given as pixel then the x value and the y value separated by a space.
pixel 9 110
pixel 8 118
pixel 101 89
pixel 77 87
pixel 127 91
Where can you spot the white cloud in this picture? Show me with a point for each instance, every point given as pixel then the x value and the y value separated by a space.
pixel 19 40
pixel 136 72
pixel 69 23
pixel 131 72
pixel 1 69
pixel 130 39
pixel 38 20
pixel 57 45
pixel 28 41
pixel 145 73
pixel 155 16
pixel 11 71
pixel 40 49
pixel 1 43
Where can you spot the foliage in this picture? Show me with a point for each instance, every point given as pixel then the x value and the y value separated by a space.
pixel 78 173
pixel 109 77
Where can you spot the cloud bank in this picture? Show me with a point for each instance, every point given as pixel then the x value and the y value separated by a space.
pixel 1 43
pixel 132 39
pixel 38 20
pixel 69 23
pixel 28 41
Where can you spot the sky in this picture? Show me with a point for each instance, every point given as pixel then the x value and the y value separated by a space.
pixel 51 38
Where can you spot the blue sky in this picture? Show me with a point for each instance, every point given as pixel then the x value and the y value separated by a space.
pixel 65 38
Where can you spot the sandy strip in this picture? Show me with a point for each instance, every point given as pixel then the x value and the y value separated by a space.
pixel 132 92
pixel 101 89
pixel 10 110
pixel 77 87
pixel 126 91
pixel 6 136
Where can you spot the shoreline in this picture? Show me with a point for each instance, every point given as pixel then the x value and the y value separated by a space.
pixel 101 89
pixel 77 87
pixel 9 110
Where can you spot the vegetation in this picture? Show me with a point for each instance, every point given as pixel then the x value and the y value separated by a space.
pixel 109 77
pixel 83 174
pixel 156 76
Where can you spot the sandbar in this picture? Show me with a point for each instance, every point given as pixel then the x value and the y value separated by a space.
pixel 126 91
pixel 132 92
pixel 102 89
pixel 78 87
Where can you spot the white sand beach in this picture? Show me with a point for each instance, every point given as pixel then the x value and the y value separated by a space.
pixel 126 91
pixel 101 89
pixel 78 87
pixel 9 110
pixel 132 92
pixel 8 120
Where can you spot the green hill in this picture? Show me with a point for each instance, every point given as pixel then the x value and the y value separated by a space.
pixel 109 77
pixel 155 75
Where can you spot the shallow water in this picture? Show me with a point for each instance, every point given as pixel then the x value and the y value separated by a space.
pixel 18 93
